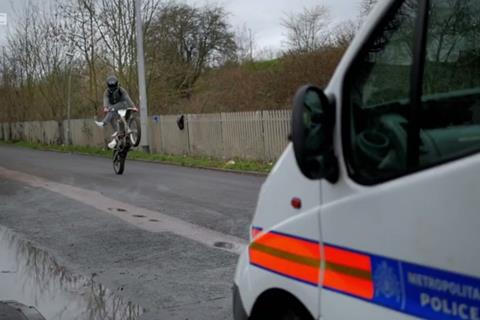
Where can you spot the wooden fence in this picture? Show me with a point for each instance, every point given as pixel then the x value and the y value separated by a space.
pixel 260 135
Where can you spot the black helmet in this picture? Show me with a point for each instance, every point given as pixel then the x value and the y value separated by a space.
pixel 112 83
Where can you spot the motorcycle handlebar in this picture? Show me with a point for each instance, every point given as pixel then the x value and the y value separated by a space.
pixel 109 109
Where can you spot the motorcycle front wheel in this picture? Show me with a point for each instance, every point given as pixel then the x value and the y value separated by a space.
pixel 135 131
pixel 118 162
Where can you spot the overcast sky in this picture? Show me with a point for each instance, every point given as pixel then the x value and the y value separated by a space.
pixel 261 16
pixel 264 16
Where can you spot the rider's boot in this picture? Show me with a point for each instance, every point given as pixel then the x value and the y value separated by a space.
pixel 100 123
pixel 113 143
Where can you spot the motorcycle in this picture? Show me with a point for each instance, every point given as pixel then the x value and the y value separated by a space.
pixel 129 136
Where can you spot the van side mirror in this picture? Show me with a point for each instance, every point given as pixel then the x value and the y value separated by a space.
pixel 313 124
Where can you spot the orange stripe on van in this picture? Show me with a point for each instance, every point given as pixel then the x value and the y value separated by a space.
pixel 290 268
pixel 290 244
pixel 287 255
pixel 349 272
pixel 347 258
pixel 299 259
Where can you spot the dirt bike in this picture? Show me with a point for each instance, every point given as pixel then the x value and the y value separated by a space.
pixel 129 135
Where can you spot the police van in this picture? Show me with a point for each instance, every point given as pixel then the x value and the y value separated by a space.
pixel 373 210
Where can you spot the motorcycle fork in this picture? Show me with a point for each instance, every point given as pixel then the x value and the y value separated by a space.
pixel 125 124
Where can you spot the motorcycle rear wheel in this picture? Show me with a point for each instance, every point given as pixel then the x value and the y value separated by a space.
pixel 118 163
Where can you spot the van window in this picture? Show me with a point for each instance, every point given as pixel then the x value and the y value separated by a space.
pixel 378 97
pixel 450 115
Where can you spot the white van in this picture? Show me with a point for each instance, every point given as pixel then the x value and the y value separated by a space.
pixel 373 211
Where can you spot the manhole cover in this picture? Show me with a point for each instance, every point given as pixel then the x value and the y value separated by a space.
pixel 138 216
pixel 223 245
pixel 121 210
pixel 153 220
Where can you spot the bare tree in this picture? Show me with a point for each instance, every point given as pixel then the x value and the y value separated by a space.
pixel 114 21
pixel 306 30
pixel 83 36
pixel 343 33
pixel 35 64
pixel 186 40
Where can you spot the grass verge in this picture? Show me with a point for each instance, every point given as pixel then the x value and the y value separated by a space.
pixel 185 161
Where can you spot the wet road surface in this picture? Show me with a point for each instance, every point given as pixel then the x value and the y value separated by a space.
pixel 118 230
pixel 30 276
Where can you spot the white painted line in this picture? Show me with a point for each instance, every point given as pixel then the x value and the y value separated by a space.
pixel 139 217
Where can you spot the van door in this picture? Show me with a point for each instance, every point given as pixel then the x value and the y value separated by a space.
pixel 401 230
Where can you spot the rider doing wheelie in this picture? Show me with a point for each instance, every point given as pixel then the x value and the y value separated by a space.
pixel 115 98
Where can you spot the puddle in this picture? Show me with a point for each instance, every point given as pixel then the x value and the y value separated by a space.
pixel 224 245
pixel 32 277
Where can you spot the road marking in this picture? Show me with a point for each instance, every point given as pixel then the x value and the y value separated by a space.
pixel 130 213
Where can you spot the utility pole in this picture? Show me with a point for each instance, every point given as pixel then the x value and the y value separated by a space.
pixel 141 77
pixel 69 98
pixel 4 23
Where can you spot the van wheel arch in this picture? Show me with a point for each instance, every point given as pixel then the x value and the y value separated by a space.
pixel 279 304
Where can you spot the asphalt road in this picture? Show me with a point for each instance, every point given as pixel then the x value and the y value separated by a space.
pixel 88 218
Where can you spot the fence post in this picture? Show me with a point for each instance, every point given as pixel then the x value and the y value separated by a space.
pixel 188 118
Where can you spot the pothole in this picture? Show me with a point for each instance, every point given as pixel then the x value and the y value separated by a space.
pixel 223 245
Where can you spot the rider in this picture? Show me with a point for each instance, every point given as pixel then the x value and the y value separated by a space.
pixel 115 98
